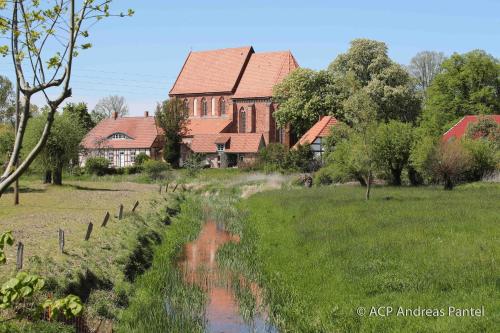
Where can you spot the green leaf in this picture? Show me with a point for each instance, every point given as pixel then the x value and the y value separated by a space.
pixel 26 291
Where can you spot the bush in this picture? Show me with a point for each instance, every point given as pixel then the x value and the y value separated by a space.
pixel 132 170
pixel 156 170
pixel 273 157
pixel 193 164
pixel 449 162
pixel 97 166
pixel 300 159
pixel 484 158
pixel 324 176
pixel 141 158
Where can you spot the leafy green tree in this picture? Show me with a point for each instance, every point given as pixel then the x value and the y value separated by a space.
pixel 62 146
pixel 172 116
pixel 366 67
pixel 80 111
pixel 303 96
pixel 485 157
pixel 6 143
pixel 392 147
pixel 469 84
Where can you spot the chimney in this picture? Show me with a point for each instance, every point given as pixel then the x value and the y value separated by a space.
pixel 114 115
pixel 146 114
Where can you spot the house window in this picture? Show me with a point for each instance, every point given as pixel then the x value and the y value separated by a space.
pixel 222 106
pixel 220 147
pixel 243 121
pixel 118 136
pixel 132 156
pixel 204 108
pixel 111 157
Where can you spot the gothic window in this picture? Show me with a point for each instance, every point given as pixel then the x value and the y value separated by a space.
pixel 204 108
pixel 186 103
pixel 195 107
pixel 243 121
pixel 222 106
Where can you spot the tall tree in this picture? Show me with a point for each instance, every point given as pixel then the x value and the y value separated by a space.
pixel 366 67
pixel 468 85
pixel 303 96
pixel 44 39
pixel 80 112
pixel 108 105
pixel 62 147
pixel 424 66
pixel 172 116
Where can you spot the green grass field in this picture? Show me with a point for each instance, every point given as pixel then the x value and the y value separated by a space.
pixel 324 252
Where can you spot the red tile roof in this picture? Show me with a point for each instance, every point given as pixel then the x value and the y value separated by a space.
pixel 235 142
pixel 142 131
pixel 320 130
pixel 263 72
pixel 206 126
pixel 460 128
pixel 214 71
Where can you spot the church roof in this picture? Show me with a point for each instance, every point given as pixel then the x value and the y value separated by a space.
pixel 196 126
pixel 234 142
pixel 216 71
pixel 263 72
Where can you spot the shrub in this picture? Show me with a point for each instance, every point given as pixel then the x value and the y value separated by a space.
pixel 141 158
pixel 156 170
pixel 449 162
pixel 484 158
pixel 324 176
pixel 300 159
pixel 97 166
pixel 132 170
pixel 193 164
pixel 273 157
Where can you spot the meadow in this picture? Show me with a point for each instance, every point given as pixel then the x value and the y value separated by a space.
pixel 323 253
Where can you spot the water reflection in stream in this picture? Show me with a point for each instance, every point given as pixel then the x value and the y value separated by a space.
pixel 199 267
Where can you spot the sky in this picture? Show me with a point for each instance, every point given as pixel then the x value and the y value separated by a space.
pixel 140 57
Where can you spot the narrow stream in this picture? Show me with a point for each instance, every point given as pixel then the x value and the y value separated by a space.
pixel 199 266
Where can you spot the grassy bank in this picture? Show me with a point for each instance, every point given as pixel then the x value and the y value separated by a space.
pixel 161 302
pixel 99 270
pixel 324 252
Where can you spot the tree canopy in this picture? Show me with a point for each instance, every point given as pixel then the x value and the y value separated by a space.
pixel 80 112
pixel 469 84
pixel 107 105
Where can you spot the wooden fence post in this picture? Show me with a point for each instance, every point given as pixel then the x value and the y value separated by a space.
pixel 166 188
pixel 61 240
pixel 20 253
pixel 135 206
pixel 175 187
pixel 120 212
pixel 106 219
pixel 159 189
pixel 89 231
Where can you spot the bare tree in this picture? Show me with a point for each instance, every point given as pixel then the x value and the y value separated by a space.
pixel 425 65
pixel 108 105
pixel 44 39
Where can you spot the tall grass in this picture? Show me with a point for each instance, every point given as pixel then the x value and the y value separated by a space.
pixel 322 253
pixel 161 301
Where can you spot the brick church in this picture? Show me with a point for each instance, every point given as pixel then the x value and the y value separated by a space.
pixel 228 93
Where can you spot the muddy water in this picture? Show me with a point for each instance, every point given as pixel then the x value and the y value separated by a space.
pixel 199 267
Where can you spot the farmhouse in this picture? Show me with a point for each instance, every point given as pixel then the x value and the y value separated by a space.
pixel 121 139
pixel 228 93
pixel 315 135
pixel 460 129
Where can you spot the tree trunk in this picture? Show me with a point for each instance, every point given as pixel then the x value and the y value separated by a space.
pixel 396 177
pixel 361 181
pixel 368 185
pixel 58 176
pixel 48 177
pixel 448 183
pixel 414 177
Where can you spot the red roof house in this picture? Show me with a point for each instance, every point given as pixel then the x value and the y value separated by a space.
pixel 315 135
pixel 460 129
pixel 120 139
pixel 229 96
